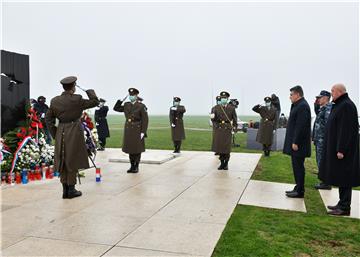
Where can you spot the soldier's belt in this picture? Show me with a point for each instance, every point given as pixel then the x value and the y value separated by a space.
pixel 131 120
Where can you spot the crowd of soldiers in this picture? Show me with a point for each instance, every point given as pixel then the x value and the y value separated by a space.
pixel 70 151
pixel 71 154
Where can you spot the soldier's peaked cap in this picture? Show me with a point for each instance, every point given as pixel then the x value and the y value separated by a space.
pixel 68 80
pixel 224 94
pixel 218 98
pixel 133 91
pixel 324 93
pixel 267 99
pixel 177 99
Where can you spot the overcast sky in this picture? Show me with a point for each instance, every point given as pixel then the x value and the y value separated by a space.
pixel 191 50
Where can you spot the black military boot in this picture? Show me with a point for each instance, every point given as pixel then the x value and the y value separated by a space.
pixel 136 167
pixel 177 149
pixel 72 192
pixel 132 167
pixel 225 167
pixel 222 163
pixel 65 191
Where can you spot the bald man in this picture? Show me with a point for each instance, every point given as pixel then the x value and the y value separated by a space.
pixel 340 164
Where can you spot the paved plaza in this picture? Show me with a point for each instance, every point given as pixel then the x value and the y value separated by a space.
pixel 177 208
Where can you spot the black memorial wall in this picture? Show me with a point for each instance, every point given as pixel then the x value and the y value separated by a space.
pixel 15 89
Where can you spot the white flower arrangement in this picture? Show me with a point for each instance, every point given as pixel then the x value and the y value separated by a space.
pixel 33 154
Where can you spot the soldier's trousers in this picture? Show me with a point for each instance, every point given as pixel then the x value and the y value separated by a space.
pixel 68 176
pixel 266 147
pixel 224 157
pixel 102 142
pixel 177 145
pixel 135 157
pixel 319 151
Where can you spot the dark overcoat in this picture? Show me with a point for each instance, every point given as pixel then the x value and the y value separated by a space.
pixel 101 122
pixel 176 118
pixel 70 148
pixel 224 122
pixel 341 135
pixel 267 124
pixel 298 130
pixel 136 123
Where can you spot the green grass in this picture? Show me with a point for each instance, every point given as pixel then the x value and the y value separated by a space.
pixel 159 134
pixel 254 231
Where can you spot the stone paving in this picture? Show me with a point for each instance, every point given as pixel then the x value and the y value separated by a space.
pixel 271 195
pixel 178 208
pixel 331 197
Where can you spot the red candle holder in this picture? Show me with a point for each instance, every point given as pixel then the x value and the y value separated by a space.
pixel 8 179
pixel 18 178
pixel 47 172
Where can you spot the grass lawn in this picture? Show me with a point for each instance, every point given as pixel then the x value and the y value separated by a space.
pixel 254 231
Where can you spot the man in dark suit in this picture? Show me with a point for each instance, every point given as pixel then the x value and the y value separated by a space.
pixel 297 140
pixel 340 162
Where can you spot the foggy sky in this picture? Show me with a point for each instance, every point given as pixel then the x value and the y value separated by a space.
pixel 191 50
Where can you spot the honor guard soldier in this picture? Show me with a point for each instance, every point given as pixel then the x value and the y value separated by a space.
pixel 267 124
pixel 102 126
pixel 177 124
pixel 70 149
pixel 136 125
pixel 224 119
pixel 212 115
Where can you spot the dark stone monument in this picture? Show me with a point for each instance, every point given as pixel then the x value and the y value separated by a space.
pixel 15 89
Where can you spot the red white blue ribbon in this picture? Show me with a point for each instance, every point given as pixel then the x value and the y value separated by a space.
pixel 16 154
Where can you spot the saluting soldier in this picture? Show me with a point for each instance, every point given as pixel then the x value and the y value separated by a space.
pixel 102 126
pixel 70 149
pixel 177 124
pixel 267 124
pixel 224 120
pixel 136 125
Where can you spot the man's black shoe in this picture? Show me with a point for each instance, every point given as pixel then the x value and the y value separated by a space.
pixel 332 207
pixel 291 191
pixel 322 186
pixel 339 212
pixel 295 195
